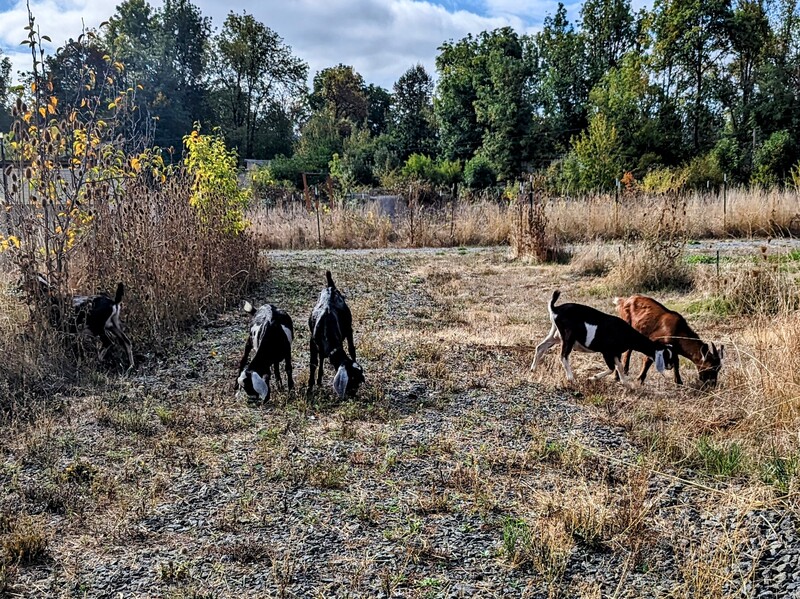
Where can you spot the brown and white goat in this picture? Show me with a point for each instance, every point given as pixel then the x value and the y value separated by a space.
pixel 659 323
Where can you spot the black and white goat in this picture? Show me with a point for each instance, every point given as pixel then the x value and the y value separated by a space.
pixel 99 314
pixel 586 329
pixel 271 334
pixel 330 324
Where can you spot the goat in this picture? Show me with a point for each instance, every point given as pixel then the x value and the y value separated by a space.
pixel 659 323
pixel 330 324
pixel 270 336
pixel 97 313
pixel 586 329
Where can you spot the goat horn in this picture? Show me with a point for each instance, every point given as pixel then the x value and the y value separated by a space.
pixel 713 348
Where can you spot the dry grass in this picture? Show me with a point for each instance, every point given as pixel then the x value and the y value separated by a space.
pixel 367 225
pixel 287 225
pixel 455 466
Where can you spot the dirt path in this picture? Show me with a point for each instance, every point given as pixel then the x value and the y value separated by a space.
pixel 454 473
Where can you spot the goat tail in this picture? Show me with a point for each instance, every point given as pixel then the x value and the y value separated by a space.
pixel 551 307
pixel 554 299
pixel 120 293
pixel 330 279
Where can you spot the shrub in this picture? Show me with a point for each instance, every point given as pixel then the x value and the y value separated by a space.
pixel 663 180
pixel 172 234
pixel 215 184
pixel 598 151
pixel 479 174
pixel 773 159
pixel 702 172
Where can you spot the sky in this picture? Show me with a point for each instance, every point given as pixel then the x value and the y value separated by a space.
pixel 380 38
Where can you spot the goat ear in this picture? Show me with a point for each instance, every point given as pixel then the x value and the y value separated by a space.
pixel 260 386
pixel 340 381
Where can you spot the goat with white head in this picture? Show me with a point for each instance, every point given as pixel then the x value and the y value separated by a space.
pixel 588 330
pixel 270 336
pixel 331 323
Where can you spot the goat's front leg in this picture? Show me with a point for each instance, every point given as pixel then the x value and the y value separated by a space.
pixel 312 364
pixel 621 374
pixel 611 362
pixel 351 346
pixel 627 361
pixel 243 362
pixel 278 380
pixel 648 362
pixel 678 380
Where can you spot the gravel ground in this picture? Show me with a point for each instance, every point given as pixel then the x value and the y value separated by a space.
pixel 455 473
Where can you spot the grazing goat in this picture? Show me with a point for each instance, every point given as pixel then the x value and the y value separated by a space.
pixel 586 329
pixel 658 323
pixel 97 313
pixel 271 333
pixel 330 324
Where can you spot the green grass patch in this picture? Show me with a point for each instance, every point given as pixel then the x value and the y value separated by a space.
pixel 781 472
pixel 722 461
pixel 715 305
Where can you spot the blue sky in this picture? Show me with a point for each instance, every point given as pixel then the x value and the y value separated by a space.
pixel 380 38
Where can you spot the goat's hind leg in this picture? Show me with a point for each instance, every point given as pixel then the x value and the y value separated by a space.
pixel 289 379
pixel 278 380
pixel 544 346
pixel 566 350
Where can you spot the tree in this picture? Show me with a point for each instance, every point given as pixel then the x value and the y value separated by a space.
pixel 598 153
pixel 342 90
pixel 379 103
pixel 607 27
pixel 182 49
pixel 5 82
pixel 412 127
pixel 691 42
pixel 255 71
pixel 459 133
pixel 502 105
pixel 484 105
pixel 560 87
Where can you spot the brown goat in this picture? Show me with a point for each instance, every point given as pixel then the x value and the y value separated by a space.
pixel 658 323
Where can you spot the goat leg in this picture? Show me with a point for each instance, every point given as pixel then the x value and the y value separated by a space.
pixel 648 362
pixel 289 379
pixel 243 362
pixel 278 380
pixel 351 346
pixel 312 363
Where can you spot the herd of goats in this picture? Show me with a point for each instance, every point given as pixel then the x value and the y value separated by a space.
pixel 643 326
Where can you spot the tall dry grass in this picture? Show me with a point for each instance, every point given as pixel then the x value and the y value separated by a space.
pixel 743 213
pixel 365 224
pixel 288 225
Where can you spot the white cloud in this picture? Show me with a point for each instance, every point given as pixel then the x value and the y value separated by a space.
pixel 380 38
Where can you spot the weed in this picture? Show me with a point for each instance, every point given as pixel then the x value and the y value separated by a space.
pixel 329 475
pixel 781 472
pixel 26 543
pixel 722 461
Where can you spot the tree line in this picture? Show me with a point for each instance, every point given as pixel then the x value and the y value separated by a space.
pixel 684 94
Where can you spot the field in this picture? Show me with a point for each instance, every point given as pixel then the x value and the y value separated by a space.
pixel 455 472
